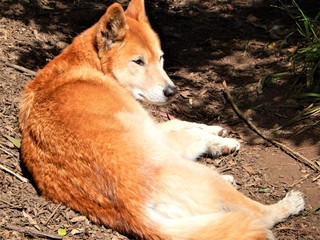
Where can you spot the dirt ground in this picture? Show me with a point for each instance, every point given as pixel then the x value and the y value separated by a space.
pixel 205 42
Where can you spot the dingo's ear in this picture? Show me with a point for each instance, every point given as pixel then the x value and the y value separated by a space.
pixel 136 10
pixel 112 27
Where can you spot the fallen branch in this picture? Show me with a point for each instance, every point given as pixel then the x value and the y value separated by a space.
pixel 283 147
pixel 31 232
pixel 23 179
pixel 22 69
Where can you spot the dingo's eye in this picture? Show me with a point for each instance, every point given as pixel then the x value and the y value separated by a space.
pixel 139 61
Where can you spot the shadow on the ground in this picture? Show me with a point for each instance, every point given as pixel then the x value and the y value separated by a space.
pixel 194 38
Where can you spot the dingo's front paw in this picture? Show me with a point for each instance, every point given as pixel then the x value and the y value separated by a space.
pixel 223 147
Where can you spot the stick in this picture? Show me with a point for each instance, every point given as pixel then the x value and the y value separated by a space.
pixel 31 232
pixel 283 147
pixel 52 214
pixel 5 151
pixel 10 205
pixel 23 179
pixel 299 181
pixel 22 69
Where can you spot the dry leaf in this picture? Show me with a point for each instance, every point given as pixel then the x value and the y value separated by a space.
pixel 31 220
pixel 249 169
pixel 185 94
pixel 78 219
pixel 77 231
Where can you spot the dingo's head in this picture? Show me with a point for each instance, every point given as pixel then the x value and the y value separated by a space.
pixel 130 50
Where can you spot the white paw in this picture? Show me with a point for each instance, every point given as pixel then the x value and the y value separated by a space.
pixel 229 179
pixel 293 202
pixel 223 146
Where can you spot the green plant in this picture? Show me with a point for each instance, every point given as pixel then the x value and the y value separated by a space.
pixel 309 52
pixel 310 58
pixel 306 60
pixel 306 25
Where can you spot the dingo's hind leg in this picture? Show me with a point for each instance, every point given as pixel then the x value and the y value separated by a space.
pixel 292 204
pixel 207 199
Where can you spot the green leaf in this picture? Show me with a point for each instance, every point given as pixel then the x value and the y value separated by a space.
pixel 14 141
pixel 62 231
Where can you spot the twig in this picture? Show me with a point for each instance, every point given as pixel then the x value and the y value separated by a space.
pixel 10 205
pixel 31 232
pixel 283 147
pixel 22 69
pixel 52 214
pixel 287 228
pixel 5 151
pixel 307 127
pixel 316 178
pixel 23 179
pixel 300 180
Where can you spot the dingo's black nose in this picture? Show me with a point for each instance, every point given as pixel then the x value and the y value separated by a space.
pixel 169 91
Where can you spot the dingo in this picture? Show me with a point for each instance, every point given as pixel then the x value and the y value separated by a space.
pixel 89 144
